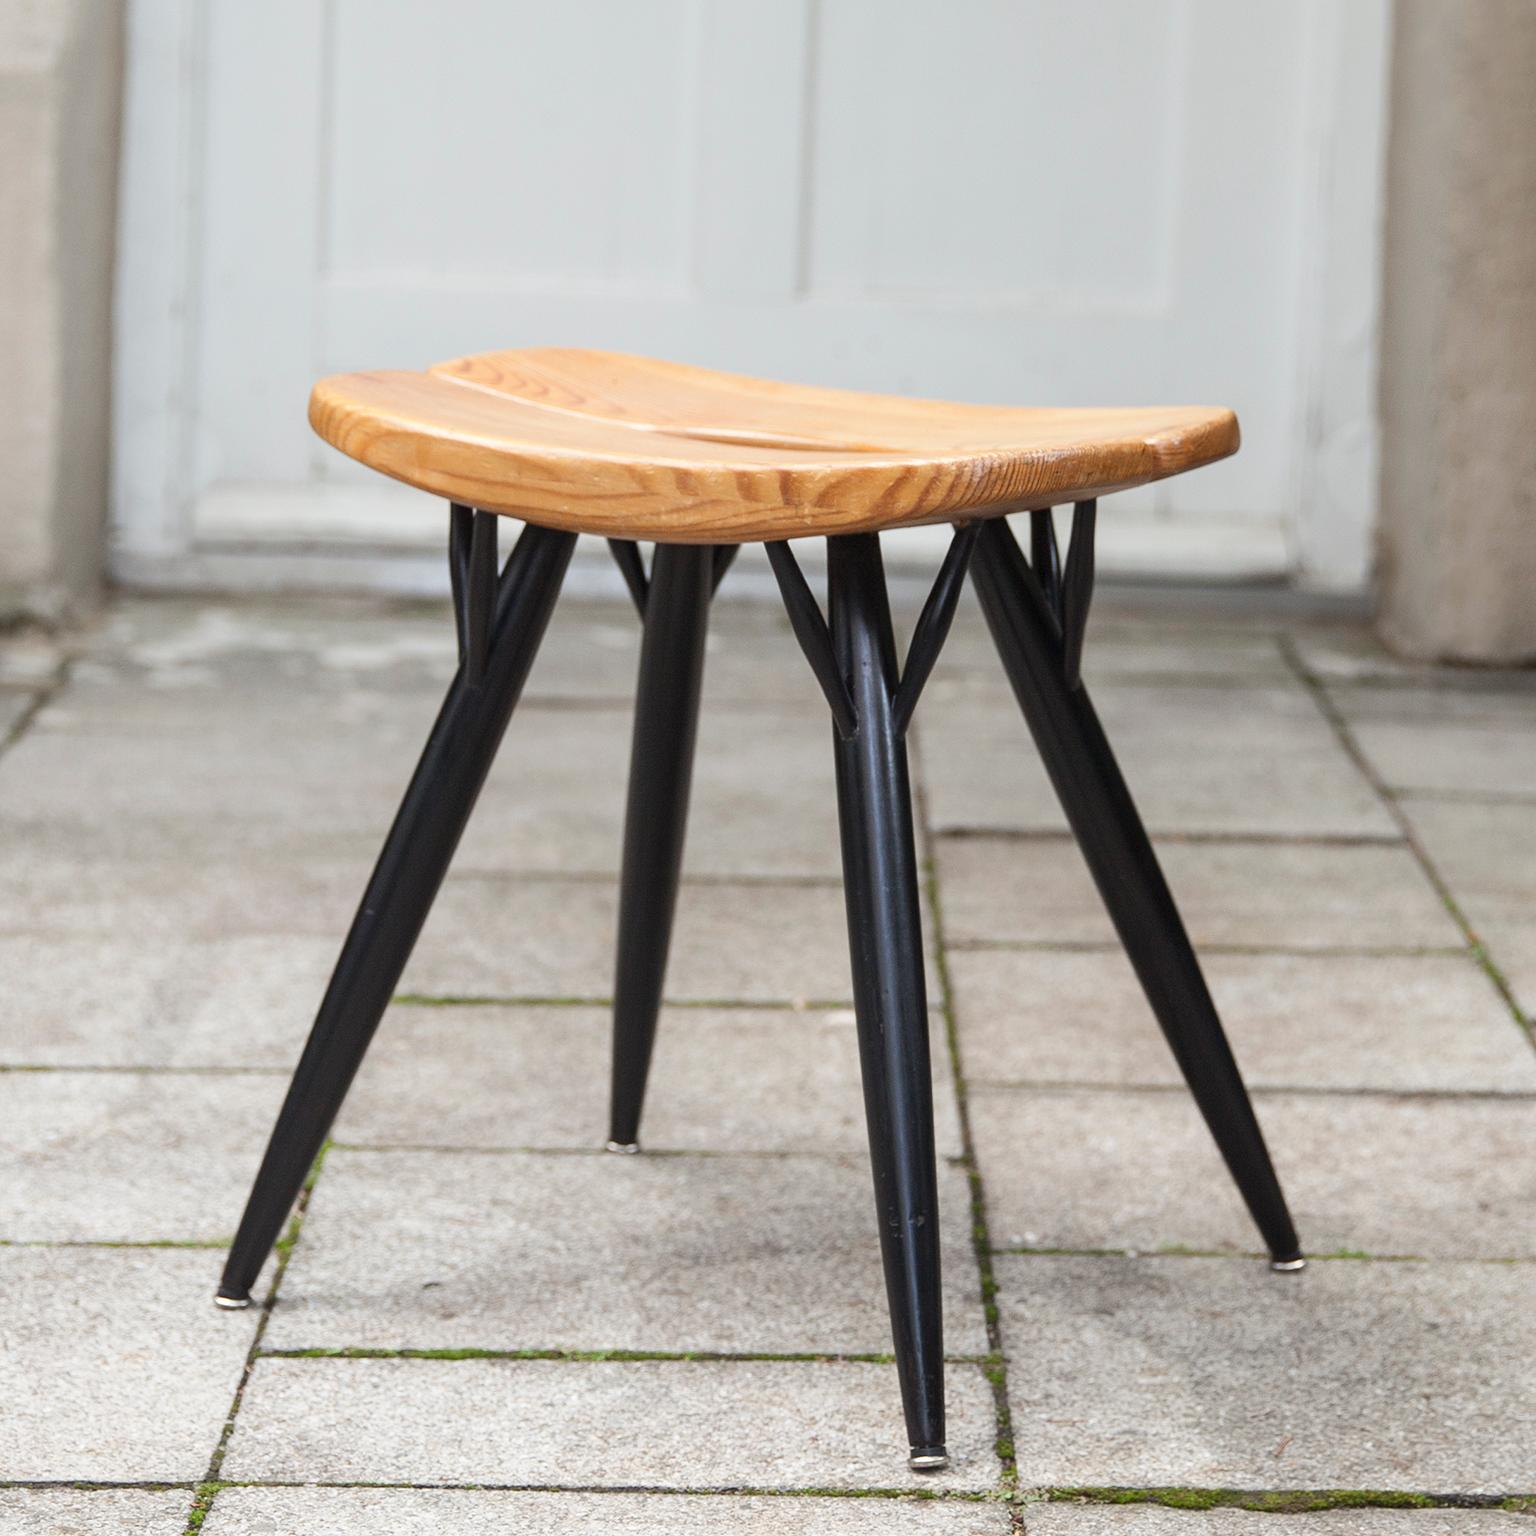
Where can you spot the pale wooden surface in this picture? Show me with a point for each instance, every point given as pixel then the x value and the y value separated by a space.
pixel 632 447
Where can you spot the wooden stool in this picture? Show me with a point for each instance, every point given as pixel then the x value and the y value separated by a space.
pixel 702 462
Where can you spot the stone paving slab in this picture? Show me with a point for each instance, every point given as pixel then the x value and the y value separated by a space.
pixel 30 658
pixel 1487 855
pixel 1433 740
pixel 115 1366
pixel 308 651
pixel 591 650
pixel 270 801
pixel 502 1512
pixel 1307 896
pixel 1198 759
pixel 1421 1023
pixel 750 658
pixel 243 1001
pixel 14 704
pixel 1124 645
pixel 504 937
pixel 67 883
pixel 262 713
pixel 260 772
pixel 164 638
pixel 555 798
pixel 1441 1178
pixel 543 935
pixel 129 1156
pixel 1455 699
pixel 528 1251
pixel 305 643
pixel 1068 1519
pixel 78 1511
pixel 64 882
pixel 618 1424
pixel 1344 654
pixel 1215 1373
pixel 722 1079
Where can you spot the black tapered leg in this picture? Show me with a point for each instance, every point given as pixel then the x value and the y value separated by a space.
pixel 1105 821
pixel 410 869
pixel 886 943
pixel 660 771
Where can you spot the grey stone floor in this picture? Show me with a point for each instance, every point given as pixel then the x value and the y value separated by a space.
pixel 483 1325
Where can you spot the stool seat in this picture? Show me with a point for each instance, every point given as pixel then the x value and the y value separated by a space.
pixel 635 448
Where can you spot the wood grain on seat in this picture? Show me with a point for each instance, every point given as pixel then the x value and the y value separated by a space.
pixel 630 447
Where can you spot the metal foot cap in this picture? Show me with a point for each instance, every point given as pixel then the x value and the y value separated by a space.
pixel 231 1303
pixel 928 1458
pixel 628 1148
pixel 1288 1266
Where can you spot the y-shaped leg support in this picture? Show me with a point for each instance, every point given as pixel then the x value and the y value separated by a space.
pixel 500 625
pixel 872 702
pixel 1040 642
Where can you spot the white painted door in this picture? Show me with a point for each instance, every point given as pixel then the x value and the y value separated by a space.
pixel 1022 201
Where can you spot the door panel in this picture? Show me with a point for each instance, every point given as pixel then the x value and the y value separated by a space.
pixel 1114 201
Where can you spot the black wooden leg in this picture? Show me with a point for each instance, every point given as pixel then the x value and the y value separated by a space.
pixel 886 943
pixel 660 771
pixel 1119 855
pixel 405 881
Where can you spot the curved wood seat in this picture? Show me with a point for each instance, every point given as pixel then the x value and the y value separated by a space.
pixel 634 448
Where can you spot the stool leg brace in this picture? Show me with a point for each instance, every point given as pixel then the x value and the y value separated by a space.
pixel 1040 644
pixel 1037 615
pixel 1037 618
pixel 501 621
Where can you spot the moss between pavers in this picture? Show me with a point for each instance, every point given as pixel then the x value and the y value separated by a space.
pixel 996 1369
pixel 584 1356
pixel 202 1502
pixel 1174 1251
pixel 539 1000
pixel 89 1485
pixel 213 1243
pixel 1276 1502
pixel 283 1249
pixel 284 1246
